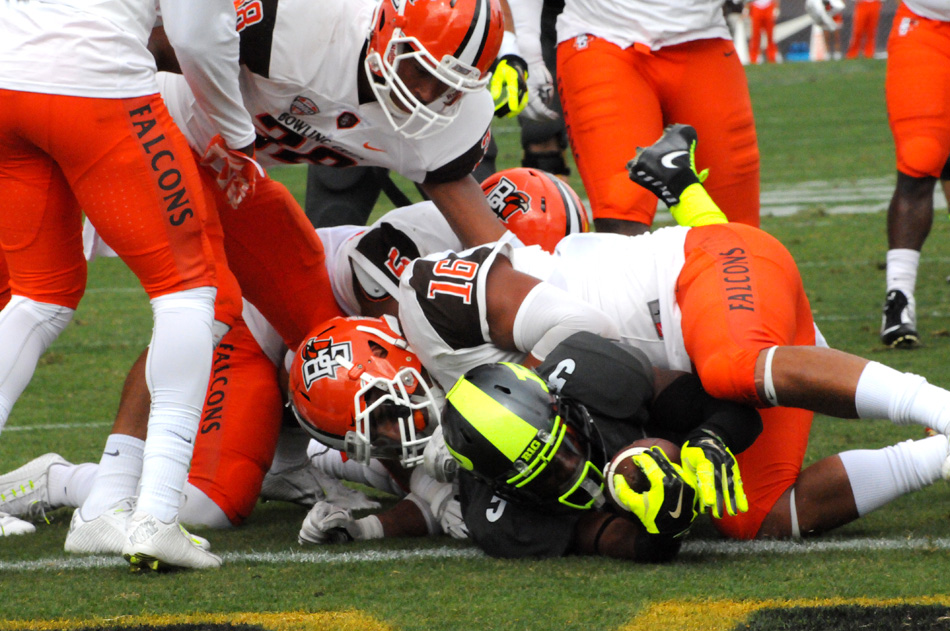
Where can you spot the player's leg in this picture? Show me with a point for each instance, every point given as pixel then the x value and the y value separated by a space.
pixel 271 244
pixel 721 113
pixel 610 109
pixel 157 226
pixel 920 125
pixel 771 50
pixel 755 34
pixel 873 17
pixel 240 423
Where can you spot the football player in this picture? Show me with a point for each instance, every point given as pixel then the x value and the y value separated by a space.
pixel 357 387
pixel 83 130
pixel 532 449
pixel 723 300
pixel 228 469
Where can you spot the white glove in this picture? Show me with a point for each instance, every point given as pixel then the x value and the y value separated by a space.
pixel 326 523
pixel 437 462
pixel 447 509
pixel 822 12
pixel 541 93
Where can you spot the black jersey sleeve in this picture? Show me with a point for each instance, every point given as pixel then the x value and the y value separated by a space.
pixel 460 166
pixel 449 291
pixel 512 530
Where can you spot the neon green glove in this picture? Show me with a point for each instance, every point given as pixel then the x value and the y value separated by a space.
pixel 668 507
pixel 712 468
pixel 509 86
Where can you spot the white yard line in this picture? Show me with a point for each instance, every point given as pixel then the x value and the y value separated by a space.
pixel 690 549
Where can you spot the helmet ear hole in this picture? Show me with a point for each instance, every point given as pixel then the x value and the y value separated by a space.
pixel 536 206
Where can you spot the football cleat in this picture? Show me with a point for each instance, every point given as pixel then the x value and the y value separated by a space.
pixel 104 534
pixel 298 485
pixel 898 322
pixel 25 491
pixel 667 166
pixel 10 525
pixel 152 544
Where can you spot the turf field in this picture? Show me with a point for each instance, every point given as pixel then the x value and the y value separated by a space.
pixel 826 152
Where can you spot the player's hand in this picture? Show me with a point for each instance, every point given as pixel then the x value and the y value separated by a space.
pixel 236 171
pixel 325 523
pixel 822 12
pixel 541 94
pixel 714 471
pixel 509 86
pixel 667 507
pixel 437 460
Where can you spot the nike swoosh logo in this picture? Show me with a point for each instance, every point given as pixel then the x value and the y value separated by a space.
pixel 113 454
pixel 679 506
pixel 729 54
pixel 366 145
pixel 188 440
pixel 667 160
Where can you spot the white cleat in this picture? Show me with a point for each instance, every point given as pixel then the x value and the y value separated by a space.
pixel 104 534
pixel 10 525
pixel 25 491
pixel 154 545
pixel 298 485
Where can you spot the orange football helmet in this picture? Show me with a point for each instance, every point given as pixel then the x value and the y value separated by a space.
pixel 535 205
pixel 454 40
pixel 356 386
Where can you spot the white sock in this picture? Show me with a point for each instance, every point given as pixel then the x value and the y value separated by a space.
pixel 902 264
pixel 291 451
pixel 70 485
pixel 901 397
pixel 179 362
pixel 881 475
pixel 120 469
pixel 27 328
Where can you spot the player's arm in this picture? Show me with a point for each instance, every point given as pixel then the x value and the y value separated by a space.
pixel 532 316
pixel 715 431
pixel 612 535
pixel 206 45
pixel 463 204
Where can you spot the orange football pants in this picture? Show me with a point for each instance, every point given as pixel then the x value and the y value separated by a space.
pixel 617 99
pixel 278 260
pixel 126 165
pixel 867 13
pixel 740 293
pixel 763 22
pixel 917 87
pixel 240 424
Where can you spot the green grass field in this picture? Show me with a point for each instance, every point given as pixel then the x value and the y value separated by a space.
pixel 817 123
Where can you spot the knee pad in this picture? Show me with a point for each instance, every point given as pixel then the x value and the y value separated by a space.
pixel 921 156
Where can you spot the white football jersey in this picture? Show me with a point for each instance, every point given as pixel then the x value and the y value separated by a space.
pixel 654 23
pixel 933 9
pixel 442 308
pixel 98 48
pixel 300 62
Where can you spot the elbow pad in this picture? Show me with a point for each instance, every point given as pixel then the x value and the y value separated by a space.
pixel 550 315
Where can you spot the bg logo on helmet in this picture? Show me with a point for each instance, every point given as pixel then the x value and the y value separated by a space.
pixel 322 358
pixel 505 200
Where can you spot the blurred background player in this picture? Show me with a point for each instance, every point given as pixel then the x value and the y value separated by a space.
pixel 867 14
pixel 615 57
pixel 918 58
pixel 763 14
pixel 828 15
pixel 734 12
pixel 118 158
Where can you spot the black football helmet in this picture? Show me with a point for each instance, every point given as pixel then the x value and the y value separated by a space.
pixel 505 426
